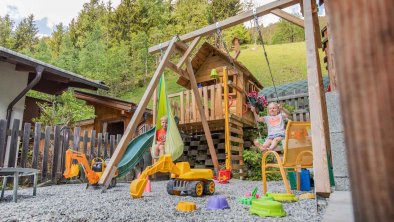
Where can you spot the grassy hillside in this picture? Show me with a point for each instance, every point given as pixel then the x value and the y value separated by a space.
pixel 288 64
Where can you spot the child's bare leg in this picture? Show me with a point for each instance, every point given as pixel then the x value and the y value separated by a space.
pixel 258 144
pixel 161 149
pixel 157 149
pixel 275 142
pixel 266 144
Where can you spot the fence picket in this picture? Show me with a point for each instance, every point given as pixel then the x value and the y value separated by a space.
pixel 92 144
pixel 14 144
pixel 56 149
pixel 105 145
pixel 99 142
pixel 36 144
pixel 76 139
pixel 3 140
pixel 112 145
pixel 47 144
pixel 25 144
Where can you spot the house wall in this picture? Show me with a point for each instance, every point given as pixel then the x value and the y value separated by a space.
pixel 11 84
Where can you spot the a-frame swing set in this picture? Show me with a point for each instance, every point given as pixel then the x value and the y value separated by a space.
pixel 320 140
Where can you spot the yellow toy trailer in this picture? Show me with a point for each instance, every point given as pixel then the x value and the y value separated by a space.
pixel 193 182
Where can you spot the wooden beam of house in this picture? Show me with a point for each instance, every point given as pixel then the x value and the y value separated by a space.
pixel 289 17
pixel 131 128
pixel 229 22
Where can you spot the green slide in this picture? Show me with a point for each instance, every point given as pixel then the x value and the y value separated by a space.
pixel 135 151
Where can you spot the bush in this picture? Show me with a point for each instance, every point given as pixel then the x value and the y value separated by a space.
pixel 252 160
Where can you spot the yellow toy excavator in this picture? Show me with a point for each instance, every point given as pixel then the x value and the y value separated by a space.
pixel 193 182
pixel 93 172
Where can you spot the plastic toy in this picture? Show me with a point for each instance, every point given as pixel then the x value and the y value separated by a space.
pixel 267 208
pixel 307 196
pixel 217 203
pixel 186 206
pixel 93 172
pixel 283 197
pixel 305 180
pixel 249 197
pixel 193 182
pixel 224 176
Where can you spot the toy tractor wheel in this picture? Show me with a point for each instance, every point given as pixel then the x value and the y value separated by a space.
pixel 195 188
pixel 209 188
pixel 170 187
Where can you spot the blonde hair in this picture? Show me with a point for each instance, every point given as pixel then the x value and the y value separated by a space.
pixel 273 104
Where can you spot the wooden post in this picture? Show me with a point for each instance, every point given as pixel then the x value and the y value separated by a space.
pixel 56 151
pixel 364 36
pixel 25 144
pixel 36 144
pixel 3 140
pixel 317 104
pixel 47 144
pixel 130 130
pixel 226 120
pixel 13 144
pixel 204 121
pixel 331 53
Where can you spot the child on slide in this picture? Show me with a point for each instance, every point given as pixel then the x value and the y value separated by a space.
pixel 275 124
pixel 161 138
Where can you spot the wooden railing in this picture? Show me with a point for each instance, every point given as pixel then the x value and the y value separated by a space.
pixel 183 104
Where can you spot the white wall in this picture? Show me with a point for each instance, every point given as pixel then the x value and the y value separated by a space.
pixel 11 84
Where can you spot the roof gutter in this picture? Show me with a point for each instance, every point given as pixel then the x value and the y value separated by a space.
pixel 37 78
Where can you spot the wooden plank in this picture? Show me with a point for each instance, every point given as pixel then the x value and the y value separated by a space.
pixel 364 66
pixel 25 144
pixel 85 142
pixel 289 17
pixel 3 140
pixel 56 151
pixel 99 142
pixel 188 52
pixel 92 144
pixel 193 108
pixel 105 145
pixel 12 159
pixel 204 122
pixel 212 100
pixel 219 102
pixel 317 105
pixel 181 96
pixel 206 105
pixel 236 139
pixel 76 139
pixel 235 130
pixel 65 145
pixel 132 126
pixel 36 144
pixel 47 144
pixel 112 142
pixel 187 117
pixel 229 22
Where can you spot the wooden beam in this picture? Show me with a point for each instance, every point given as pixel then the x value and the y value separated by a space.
pixel 229 22
pixel 364 64
pixel 317 104
pixel 231 84
pixel 188 51
pixel 289 17
pixel 174 68
pixel 204 122
pixel 132 126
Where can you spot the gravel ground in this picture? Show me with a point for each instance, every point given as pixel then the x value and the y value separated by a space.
pixel 73 203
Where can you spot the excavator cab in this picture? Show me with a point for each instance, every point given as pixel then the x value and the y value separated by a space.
pixel 192 182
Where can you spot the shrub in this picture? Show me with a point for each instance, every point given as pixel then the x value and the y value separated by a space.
pixel 252 160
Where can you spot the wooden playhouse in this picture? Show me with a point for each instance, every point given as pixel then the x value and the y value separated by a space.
pixel 208 61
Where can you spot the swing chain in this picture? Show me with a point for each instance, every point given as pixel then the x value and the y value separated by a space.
pixel 265 52
pixel 220 36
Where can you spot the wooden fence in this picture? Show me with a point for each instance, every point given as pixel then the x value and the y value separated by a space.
pixel 297 98
pixel 44 147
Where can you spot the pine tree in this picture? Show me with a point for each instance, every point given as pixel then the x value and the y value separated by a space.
pixel 6 34
pixel 26 34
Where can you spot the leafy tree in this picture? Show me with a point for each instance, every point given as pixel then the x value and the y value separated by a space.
pixel 190 15
pixel 287 32
pixel 6 34
pixel 68 55
pixel 56 40
pixel 64 109
pixel 26 34
pixel 222 9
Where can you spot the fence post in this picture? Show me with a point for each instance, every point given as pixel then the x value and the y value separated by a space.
pixel 56 149
pixel 14 144
pixel 47 144
pixel 36 144
pixel 105 144
pixel 65 145
pixel 25 144
pixel 92 144
pixel 3 137
pixel 112 145
pixel 99 141
pixel 77 132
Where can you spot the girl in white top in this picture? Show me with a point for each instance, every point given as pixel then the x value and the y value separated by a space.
pixel 275 124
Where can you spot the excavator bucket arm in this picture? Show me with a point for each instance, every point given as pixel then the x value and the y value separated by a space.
pixel 164 165
pixel 93 178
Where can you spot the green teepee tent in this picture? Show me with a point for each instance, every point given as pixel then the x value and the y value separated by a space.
pixel 174 144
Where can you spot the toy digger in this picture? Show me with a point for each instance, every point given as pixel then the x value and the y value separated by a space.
pixel 93 172
pixel 193 182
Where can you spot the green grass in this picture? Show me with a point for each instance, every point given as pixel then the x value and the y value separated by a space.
pixel 288 64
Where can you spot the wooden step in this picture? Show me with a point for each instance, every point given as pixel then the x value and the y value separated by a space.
pixel 236 139
pixel 235 130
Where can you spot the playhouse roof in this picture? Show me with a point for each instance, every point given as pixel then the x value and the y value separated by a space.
pixel 208 50
pixel 54 79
